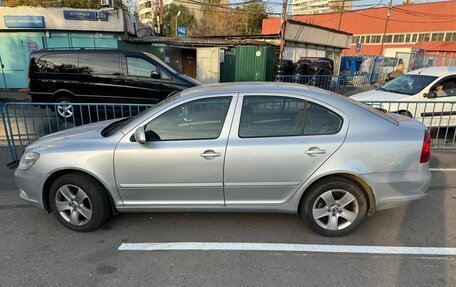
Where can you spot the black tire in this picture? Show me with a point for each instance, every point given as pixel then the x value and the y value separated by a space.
pixel 312 198
pixel 97 200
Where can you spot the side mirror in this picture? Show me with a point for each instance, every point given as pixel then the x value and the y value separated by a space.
pixel 140 135
pixel 431 95
pixel 155 75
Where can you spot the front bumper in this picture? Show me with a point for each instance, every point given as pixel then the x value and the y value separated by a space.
pixel 30 187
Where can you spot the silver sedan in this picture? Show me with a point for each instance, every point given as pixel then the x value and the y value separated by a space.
pixel 257 147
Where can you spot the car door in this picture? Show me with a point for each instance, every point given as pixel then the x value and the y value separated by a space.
pixel 142 80
pixel 184 167
pixel 275 145
pixel 440 112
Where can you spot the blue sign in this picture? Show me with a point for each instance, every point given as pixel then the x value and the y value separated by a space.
pixel 358 48
pixel 181 31
pixel 24 21
pixel 103 16
pixel 80 15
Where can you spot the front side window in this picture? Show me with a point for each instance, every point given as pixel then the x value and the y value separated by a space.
pixel 446 88
pixel 138 67
pixel 264 116
pixel 195 120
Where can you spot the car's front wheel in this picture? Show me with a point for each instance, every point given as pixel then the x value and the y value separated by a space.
pixel 79 202
pixel 334 206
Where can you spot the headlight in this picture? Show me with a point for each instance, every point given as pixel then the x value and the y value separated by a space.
pixel 28 159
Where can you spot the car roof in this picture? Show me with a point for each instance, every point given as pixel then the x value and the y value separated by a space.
pixel 259 87
pixel 435 71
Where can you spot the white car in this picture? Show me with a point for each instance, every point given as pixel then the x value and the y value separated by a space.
pixel 427 94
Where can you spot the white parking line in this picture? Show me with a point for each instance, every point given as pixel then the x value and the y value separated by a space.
pixel 442 169
pixel 233 246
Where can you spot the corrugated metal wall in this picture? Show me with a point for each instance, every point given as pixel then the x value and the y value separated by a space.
pixel 248 63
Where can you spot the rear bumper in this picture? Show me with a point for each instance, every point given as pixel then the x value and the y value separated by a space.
pixel 399 188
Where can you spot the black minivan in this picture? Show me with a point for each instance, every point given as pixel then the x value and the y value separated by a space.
pixel 102 76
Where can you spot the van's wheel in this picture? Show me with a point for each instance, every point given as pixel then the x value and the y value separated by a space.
pixel 79 202
pixel 65 108
pixel 334 207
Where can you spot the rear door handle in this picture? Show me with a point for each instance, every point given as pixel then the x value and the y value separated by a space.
pixel 210 154
pixel 315 151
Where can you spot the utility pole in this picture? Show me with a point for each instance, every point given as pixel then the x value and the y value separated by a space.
pixel 160 28
pixel 282 30
pixel 390 5
pixel 340 15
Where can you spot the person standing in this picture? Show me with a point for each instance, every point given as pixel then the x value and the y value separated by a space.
pixel 396 73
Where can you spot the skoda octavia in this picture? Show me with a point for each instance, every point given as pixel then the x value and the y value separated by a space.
pixel 256 147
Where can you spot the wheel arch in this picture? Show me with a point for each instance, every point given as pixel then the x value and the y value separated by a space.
pixel 359 181
pixel 62 172
pixel 63 93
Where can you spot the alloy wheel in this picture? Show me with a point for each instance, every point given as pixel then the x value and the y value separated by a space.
pixel 335 209
pixel 65 109
pixel 73 204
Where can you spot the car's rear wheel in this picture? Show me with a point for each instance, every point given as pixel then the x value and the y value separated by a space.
pixel 79 202
pixel 334 207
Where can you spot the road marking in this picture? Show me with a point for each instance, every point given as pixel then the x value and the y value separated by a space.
pixel 442 169
pixel 234 246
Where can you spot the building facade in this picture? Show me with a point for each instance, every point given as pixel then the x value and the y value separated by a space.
pixel 410 28
pixel 308 7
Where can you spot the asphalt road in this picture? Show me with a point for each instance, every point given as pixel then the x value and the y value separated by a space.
pixel 37 250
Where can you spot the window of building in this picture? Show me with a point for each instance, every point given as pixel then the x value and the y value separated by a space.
pixel 355 39
pixel 362 40
pixel 398 38
pixel 414 37
pixel 424 37
pixel 450 37
pixel 387 38
pixel 376 39
pixel 368 39
pixel 407 38
pixel 437 36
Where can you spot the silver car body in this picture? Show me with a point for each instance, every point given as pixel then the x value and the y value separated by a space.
pixel 270 174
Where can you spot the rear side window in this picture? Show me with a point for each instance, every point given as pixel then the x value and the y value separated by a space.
pixel 99 63
pixel 55 63
pixel 266 116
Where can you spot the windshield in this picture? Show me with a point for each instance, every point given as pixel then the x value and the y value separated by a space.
pixel 163 64
pixel 408 84
pixel 117 126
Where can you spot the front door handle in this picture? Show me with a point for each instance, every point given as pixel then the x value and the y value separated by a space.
pixel 315 151
pixel 210 154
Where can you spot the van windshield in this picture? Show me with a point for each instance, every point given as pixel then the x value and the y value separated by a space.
pixel 163 64
pixel 408 84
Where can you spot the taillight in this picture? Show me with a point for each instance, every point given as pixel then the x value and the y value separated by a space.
pixel 426 150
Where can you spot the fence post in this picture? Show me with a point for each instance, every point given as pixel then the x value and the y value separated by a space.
pixel 11 147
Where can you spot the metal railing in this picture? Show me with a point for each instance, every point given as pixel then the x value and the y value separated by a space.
pixel 343 84
pixel 26 122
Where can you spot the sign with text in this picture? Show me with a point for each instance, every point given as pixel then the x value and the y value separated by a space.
pixel 181 31
pixel 24 21
pixel 103 16
pixel 80 15
pixel 358 48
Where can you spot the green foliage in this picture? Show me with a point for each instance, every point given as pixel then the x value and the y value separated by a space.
pixel 251 16
pixel 186 18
